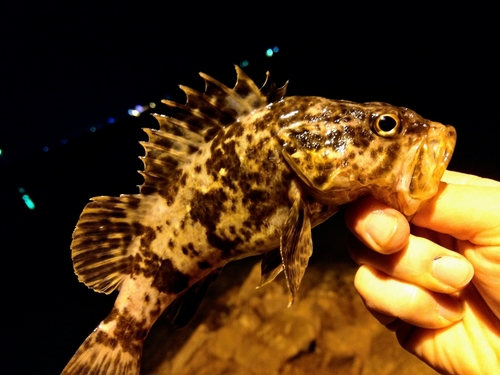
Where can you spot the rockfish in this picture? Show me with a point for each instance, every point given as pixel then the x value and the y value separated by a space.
pixel 234 173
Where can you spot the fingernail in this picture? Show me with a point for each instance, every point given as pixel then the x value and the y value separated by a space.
pixel 381 227
pixel 455 272
pixel 451 309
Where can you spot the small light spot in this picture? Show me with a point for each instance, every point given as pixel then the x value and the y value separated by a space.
pixel 93 129
pixel 111 120
pixel 64 141
pixel 152 105
pixel 289 114
pixel 0 152
pixel 269 52
pixel 276 49
pixel 21 190
pixel 244 63
pixel 140 108
pixel 134 112
pixel 29 203
pixel 45 149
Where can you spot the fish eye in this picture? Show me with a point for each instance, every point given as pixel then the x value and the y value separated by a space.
pixel 387 125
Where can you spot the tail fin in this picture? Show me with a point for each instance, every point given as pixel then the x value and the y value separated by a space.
pixel 98 355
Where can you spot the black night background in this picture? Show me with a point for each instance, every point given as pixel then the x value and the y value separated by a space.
pixel 72 75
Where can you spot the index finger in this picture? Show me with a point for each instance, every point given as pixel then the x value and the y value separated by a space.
pixel 459 178
pixel 466 212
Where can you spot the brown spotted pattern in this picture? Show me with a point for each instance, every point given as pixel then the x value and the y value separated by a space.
pixel 340 154
pixel 234 173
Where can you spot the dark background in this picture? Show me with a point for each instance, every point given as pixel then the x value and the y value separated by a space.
pixel 66 70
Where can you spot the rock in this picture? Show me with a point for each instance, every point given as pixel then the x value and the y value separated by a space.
pixel 243 330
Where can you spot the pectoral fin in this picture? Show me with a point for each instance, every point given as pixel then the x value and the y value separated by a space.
pixel 296 245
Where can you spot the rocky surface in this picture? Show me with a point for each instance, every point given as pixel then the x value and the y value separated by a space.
pixel 242 330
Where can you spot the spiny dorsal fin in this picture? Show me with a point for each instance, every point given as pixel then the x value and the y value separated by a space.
pixel 271 91
pixel 104 247
pixel 198 121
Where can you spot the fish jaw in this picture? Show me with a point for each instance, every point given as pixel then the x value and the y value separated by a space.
pixel 425 167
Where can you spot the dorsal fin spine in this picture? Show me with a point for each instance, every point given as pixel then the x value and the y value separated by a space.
pixel 199 120
pixel 102 248
pixel 171 124
pixel 185 128
pixel 226 90
pixel 172 137
pixel 161 152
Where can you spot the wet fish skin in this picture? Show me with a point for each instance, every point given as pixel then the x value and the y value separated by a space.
pixel 234 173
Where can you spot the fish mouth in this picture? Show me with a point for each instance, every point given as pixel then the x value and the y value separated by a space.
pixel 430 160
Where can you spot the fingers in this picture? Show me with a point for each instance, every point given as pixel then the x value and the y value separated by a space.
pixel 470 212
pixel 463 216
pixel 379 227
pixel 412 284
pixel 466 212
pixel 387 297
pixel 421 262
pixel 486 263
pixel 470 347
pixel 451 177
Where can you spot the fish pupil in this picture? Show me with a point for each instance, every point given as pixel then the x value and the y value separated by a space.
pixel 387 123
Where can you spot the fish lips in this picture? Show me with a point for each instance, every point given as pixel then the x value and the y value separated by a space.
pixel 427 163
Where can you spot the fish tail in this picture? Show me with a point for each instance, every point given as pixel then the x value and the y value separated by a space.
pixel 98 355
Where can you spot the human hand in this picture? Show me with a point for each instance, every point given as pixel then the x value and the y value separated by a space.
pixel 436 282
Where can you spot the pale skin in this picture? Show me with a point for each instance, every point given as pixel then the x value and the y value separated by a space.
pixel 436 281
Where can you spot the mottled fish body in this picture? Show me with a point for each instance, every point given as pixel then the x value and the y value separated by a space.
pixel 234 173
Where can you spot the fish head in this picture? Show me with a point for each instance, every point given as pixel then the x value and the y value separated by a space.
pixel 341 150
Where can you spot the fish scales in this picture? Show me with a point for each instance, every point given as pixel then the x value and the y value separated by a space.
pixel 234 173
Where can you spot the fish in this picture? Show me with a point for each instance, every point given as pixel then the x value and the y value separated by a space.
pixel 232 173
